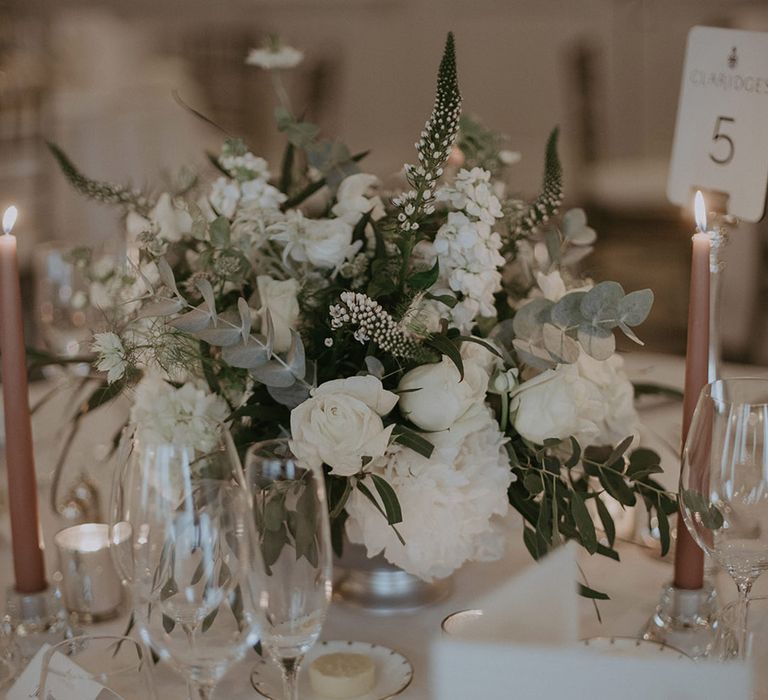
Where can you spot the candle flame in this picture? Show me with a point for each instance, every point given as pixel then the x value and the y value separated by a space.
pixel 700 211
pixel 9 219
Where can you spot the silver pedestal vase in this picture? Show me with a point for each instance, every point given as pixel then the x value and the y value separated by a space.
pixel 379 587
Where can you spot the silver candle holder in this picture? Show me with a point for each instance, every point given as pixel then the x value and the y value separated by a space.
pixel 91 588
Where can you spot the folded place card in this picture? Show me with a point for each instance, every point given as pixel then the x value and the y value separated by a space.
pixel 69 682
pixel 524 646
pixel 495 671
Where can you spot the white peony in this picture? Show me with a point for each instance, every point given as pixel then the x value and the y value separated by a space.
pixel 279 297
pixel 558 403
pixel 433 397
pixel 617 395
pixel 340 424
pixel 356 196
pixel 451 502
pixel 164 414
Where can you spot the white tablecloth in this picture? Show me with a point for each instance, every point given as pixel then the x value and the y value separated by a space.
pixel 634 584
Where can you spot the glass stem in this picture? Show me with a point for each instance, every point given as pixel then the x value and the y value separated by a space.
pixel 745 586
pixel 199 691
pixel 291 677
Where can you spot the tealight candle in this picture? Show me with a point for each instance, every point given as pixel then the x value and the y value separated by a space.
pixel 90 584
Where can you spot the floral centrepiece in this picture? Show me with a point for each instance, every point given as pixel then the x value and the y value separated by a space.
pixel 433 348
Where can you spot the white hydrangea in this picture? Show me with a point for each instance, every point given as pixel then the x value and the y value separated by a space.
pixel 224 196
pixel 228 195
pixel 261 193
pixel 450 502
pixel 249 163
pixel 162 413
pixel 356 196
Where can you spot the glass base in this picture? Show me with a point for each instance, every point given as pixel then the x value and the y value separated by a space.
pixel 35 619
pixel 685 619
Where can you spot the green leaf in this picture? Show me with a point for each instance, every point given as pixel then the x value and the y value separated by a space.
pixel 575 457
pixel 664 535
pixel 168 623
pixel 447 347
pixel 449 300
pixel 587 592
pixel 648 389
pixel 607 521
pixel 635 307
pixel 389 499
pixel 313 187
pixel 583 522
pixel 533 482
pixel 601 303
pixel 367 493
pixel 619 450
pixel 598 342
pixel 415 441
pixel 424 279
pixel 219 230
pixel 478 341
pixel 208 621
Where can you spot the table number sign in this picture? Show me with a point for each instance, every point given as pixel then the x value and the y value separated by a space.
pixel 721 135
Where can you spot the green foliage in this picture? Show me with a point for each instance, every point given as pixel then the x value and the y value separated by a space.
pixel 548 332
pixel 524 220
pixel 480 145
pixel 104 192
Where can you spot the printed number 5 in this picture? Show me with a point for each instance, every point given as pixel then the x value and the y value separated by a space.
pixel 718 136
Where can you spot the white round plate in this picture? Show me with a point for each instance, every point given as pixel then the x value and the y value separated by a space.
pixel 630 646
pixel 393 671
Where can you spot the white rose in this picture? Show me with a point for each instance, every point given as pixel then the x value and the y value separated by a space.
pixel 617 395
pixel 172 223
pixel 327 242
pixel 433 397
pixel 355 197
pixel 340 424
pixel 557 404
pixel 279 298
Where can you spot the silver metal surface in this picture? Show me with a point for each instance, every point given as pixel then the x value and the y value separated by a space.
pixel 381 588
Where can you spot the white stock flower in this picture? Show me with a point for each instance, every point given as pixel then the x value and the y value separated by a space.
pixel 558 403
pixel 433 397
pixel 451 502
pixel 551 285
pixel 356 196
pixel 262 194
pixel 164 414
pixel 279 297
pixel 272 57
pixel 111 355
pixel 340 424
pixel 224 196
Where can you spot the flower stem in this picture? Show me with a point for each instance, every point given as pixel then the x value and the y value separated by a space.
pixel 290 669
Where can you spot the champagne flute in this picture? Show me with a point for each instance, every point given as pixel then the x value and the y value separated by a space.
pixel 724 483
pixel 197 572
pixel 291 517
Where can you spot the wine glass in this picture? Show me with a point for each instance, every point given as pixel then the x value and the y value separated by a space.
pixel 197 572
pixel 77 667
pixel 724 483
pixel 122 506
pixel 291 517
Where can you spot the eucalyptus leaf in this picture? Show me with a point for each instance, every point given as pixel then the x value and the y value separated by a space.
pixel 597 342
pixel 163 307
pixel 529 319
pixel 206 290
pixel 374 366
pixel 274 374
pixel 166 276
pixel 248 355
pixel 221 337
pixel 193 321
pixel 295 357
pixel 219 230
pixel 290 396
pixel 560 345
pixel 583 522
pixel 566 313
pixel 532 355
pixel 601 303
pixel 245 318
pixel 635 307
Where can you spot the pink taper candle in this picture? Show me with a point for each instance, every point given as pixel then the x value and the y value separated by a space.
pixel 28 564
pixel 689 557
